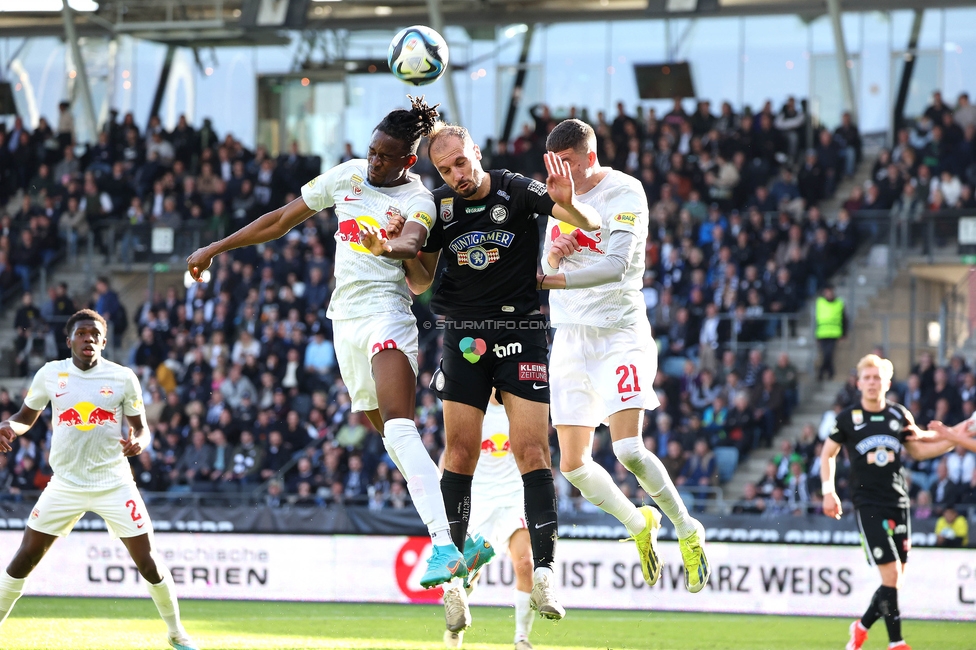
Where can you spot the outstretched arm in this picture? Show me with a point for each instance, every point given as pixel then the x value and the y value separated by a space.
pixel 404 246
pixel 561 189
pixel 923 445
pixel 957 435
pixel 420 271
pixel 267 227
pixel 18 424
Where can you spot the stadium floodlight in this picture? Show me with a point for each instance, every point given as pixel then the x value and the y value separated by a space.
pixel 37 6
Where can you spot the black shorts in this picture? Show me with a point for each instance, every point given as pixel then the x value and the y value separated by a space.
pixel 512 357
pixel 886 533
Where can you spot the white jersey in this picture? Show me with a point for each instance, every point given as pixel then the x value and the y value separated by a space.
pixel 971 423
pixel 87 411
pixel 622 205
pixel 497 478
pixel 366 284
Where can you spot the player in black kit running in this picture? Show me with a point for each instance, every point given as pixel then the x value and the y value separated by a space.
pixel 495 333
pixel 874 433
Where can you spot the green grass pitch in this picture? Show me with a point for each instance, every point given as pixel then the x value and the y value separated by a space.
pixel 80 624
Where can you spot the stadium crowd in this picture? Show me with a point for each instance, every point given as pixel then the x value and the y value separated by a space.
pixel 240 376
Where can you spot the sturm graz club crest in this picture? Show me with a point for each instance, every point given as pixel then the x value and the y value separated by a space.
pixel 499 214
pixel 479 249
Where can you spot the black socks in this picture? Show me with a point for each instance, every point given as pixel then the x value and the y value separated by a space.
pixel 885 604
pixel 540 515
pixel 456 490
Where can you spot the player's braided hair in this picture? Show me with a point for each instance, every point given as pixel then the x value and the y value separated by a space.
pixel 84 314
pixel 409 126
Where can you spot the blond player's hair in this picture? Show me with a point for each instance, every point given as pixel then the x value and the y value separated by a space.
pixel 441 130
pixel 884 366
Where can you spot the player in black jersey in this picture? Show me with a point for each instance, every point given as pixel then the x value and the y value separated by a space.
pixel 874 433
pixel 495 333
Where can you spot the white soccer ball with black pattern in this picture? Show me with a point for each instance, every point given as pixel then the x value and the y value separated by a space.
pixel 418 55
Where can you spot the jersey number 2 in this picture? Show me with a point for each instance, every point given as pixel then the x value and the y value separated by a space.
pixel 624 385
pixel 132 506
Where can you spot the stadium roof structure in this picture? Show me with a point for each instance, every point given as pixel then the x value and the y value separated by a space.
pixel 203 23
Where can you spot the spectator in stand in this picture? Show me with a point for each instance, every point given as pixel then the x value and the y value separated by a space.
pixel 750 503
pixel 700 471
pixel 967 491
pixel 742 426
pixel 246 461
pixel 767 398
pixel 944 491
pixel 951 530
pixel 193 468
pixel 831 325
pixel 960 464
pixel 674 461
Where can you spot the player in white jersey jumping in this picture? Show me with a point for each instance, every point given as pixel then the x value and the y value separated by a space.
pixel 88 397
pixel 498 515
pixel 375 331
pixel 603 350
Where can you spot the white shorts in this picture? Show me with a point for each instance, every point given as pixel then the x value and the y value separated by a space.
pixel 358 339
pixel 59 508
pixel 596 371
pixel 496 523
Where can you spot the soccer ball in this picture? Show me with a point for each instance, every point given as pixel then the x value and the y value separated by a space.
pixel 418 55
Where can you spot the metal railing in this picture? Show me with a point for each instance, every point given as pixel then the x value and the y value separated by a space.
pixel 924 234
pixel 784 332
pixel 157 15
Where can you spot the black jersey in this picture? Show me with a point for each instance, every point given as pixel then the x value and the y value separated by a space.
pixel 491 248
pixel 874 442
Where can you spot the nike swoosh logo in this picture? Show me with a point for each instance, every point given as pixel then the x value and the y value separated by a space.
pixel 448 224
pixel 858 427
pixel 453 569
pixel 548 523
pixel 140 525
pixel 350 198
pixel 625 399
pixel 60 394
pixel 537 386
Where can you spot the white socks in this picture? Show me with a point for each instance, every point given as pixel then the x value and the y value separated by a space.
pixel 10 591
pixel 597 487
pixel 164 595
pixel 654 478
pixel 523 616
pixel 402 442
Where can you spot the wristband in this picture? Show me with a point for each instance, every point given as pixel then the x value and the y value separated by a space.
pixel 542 282
pixel 827 487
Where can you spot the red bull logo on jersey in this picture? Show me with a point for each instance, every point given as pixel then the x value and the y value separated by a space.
pixel 588 242
pixel 497 444
pixel 85 416
pixel 106 391
pixel 350 231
